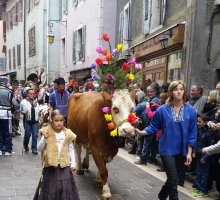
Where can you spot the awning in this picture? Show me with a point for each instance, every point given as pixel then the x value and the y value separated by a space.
pixel 9 73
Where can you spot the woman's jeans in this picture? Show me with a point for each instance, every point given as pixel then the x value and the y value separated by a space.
pixel 173 165
pixel 31 129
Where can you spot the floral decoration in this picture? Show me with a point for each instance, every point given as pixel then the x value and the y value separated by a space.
pixel 110 73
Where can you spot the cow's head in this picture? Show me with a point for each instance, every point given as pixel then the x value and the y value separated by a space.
pixel 122 105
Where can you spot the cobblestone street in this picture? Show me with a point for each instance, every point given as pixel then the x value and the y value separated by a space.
pixel 20 173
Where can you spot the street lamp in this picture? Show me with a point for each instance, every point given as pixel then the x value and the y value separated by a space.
pixel 164 37
pixel 51 37
pixel 50 24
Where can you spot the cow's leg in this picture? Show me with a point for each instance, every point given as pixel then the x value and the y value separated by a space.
pixel 86 159
pixel 80 170
pixel 106 193
pixel 98 180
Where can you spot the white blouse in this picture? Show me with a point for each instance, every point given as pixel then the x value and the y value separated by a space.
pixel 60 139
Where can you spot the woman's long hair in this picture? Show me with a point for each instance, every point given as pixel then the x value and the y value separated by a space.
pixel 172 86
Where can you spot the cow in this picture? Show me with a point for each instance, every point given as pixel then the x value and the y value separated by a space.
pixel 87 121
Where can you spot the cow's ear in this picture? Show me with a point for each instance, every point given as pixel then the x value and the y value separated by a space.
pixel 107 97
pixel 133 94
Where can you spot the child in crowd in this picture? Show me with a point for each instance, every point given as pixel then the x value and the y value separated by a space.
pixel 204 139
pixel 58 158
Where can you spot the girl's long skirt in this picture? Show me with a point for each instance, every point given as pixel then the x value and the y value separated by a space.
pixel 57 184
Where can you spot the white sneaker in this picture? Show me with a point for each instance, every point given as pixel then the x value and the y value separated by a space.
pixel 0 153
pixel 8 154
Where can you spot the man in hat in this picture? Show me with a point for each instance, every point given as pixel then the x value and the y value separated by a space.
pixel 59 98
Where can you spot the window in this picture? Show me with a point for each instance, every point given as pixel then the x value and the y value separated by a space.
pixel 9 59
pixel 4 31
pixel 14 60
pixel 154 14
pixel 19 54
pixel 79 40
pixel 32 45
pixel 124 26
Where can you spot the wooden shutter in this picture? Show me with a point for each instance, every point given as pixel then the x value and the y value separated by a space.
pixel 74 47
pixel 21 10
pixel 147 9
pixel 14 14
pixel 19 55
pixel 32 45
pixel 14 60
pixel 83 43
pixel 11 18
pixel 4 30
pixel 121 25
pixel 9 59
pixel 27 5
pixel 17 13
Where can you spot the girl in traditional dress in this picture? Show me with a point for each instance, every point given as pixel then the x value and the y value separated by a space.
pixel 58 159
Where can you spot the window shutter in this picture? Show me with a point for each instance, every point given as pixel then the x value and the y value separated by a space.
pixel 83 43
pixel 60 9
pixel 27 5
pixel 147 8
pixel 14 14
pixel 121 25
pixel 17 14
pixel 4 31
pixel 74 47
pixel 11 18
pixel 19 54
pixel 75 2
pixel 163 11
pixel 21 10
pixel 9 58
pixel 14 61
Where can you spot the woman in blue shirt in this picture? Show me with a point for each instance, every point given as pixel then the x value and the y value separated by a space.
pixel 178 121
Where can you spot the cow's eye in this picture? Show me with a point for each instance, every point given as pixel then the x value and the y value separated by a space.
pixel 115 110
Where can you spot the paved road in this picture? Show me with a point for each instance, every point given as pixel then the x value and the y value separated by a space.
pixel 19 175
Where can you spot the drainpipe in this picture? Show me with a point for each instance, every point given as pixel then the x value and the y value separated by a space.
pixel 48 16
pixel 24 38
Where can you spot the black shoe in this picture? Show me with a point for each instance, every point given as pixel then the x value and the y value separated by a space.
pixel 13 134
pixel 17 133
pixel 26 148
pixel 132 151
pixel 140 163
pixel 161 170
pixel 181 184
pixel 35 152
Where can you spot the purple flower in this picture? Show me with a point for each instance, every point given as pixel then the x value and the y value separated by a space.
pixel 99 49
pixel 95 78
pixel 114 52
pixel 109 77
pixel 93 66
pixel 106 110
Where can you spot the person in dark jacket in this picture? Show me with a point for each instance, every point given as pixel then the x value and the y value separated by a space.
pixel 204 139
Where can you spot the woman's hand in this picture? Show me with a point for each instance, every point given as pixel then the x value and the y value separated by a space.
pixel 140 133
pixel 46 135
pixel 188 159
pixel 72 168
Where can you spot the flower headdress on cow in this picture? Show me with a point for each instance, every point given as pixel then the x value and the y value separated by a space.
pixel 109 73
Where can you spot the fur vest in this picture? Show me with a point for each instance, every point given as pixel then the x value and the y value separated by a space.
pixel 49 156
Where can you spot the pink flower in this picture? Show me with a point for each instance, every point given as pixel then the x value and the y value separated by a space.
pixel 138 66
pixel 106 110
pixel 132 61
pixel 99 49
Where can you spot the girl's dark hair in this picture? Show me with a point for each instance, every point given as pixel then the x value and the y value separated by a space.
pixel 204 117
pixel 54 113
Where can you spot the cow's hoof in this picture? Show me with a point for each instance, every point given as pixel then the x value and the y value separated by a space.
pixel 85 166
pixel 106 196
pixel 80 172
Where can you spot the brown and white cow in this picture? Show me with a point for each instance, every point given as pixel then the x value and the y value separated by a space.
pixel 86 120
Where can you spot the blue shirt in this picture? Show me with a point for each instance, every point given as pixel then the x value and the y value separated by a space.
pixel 178 131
